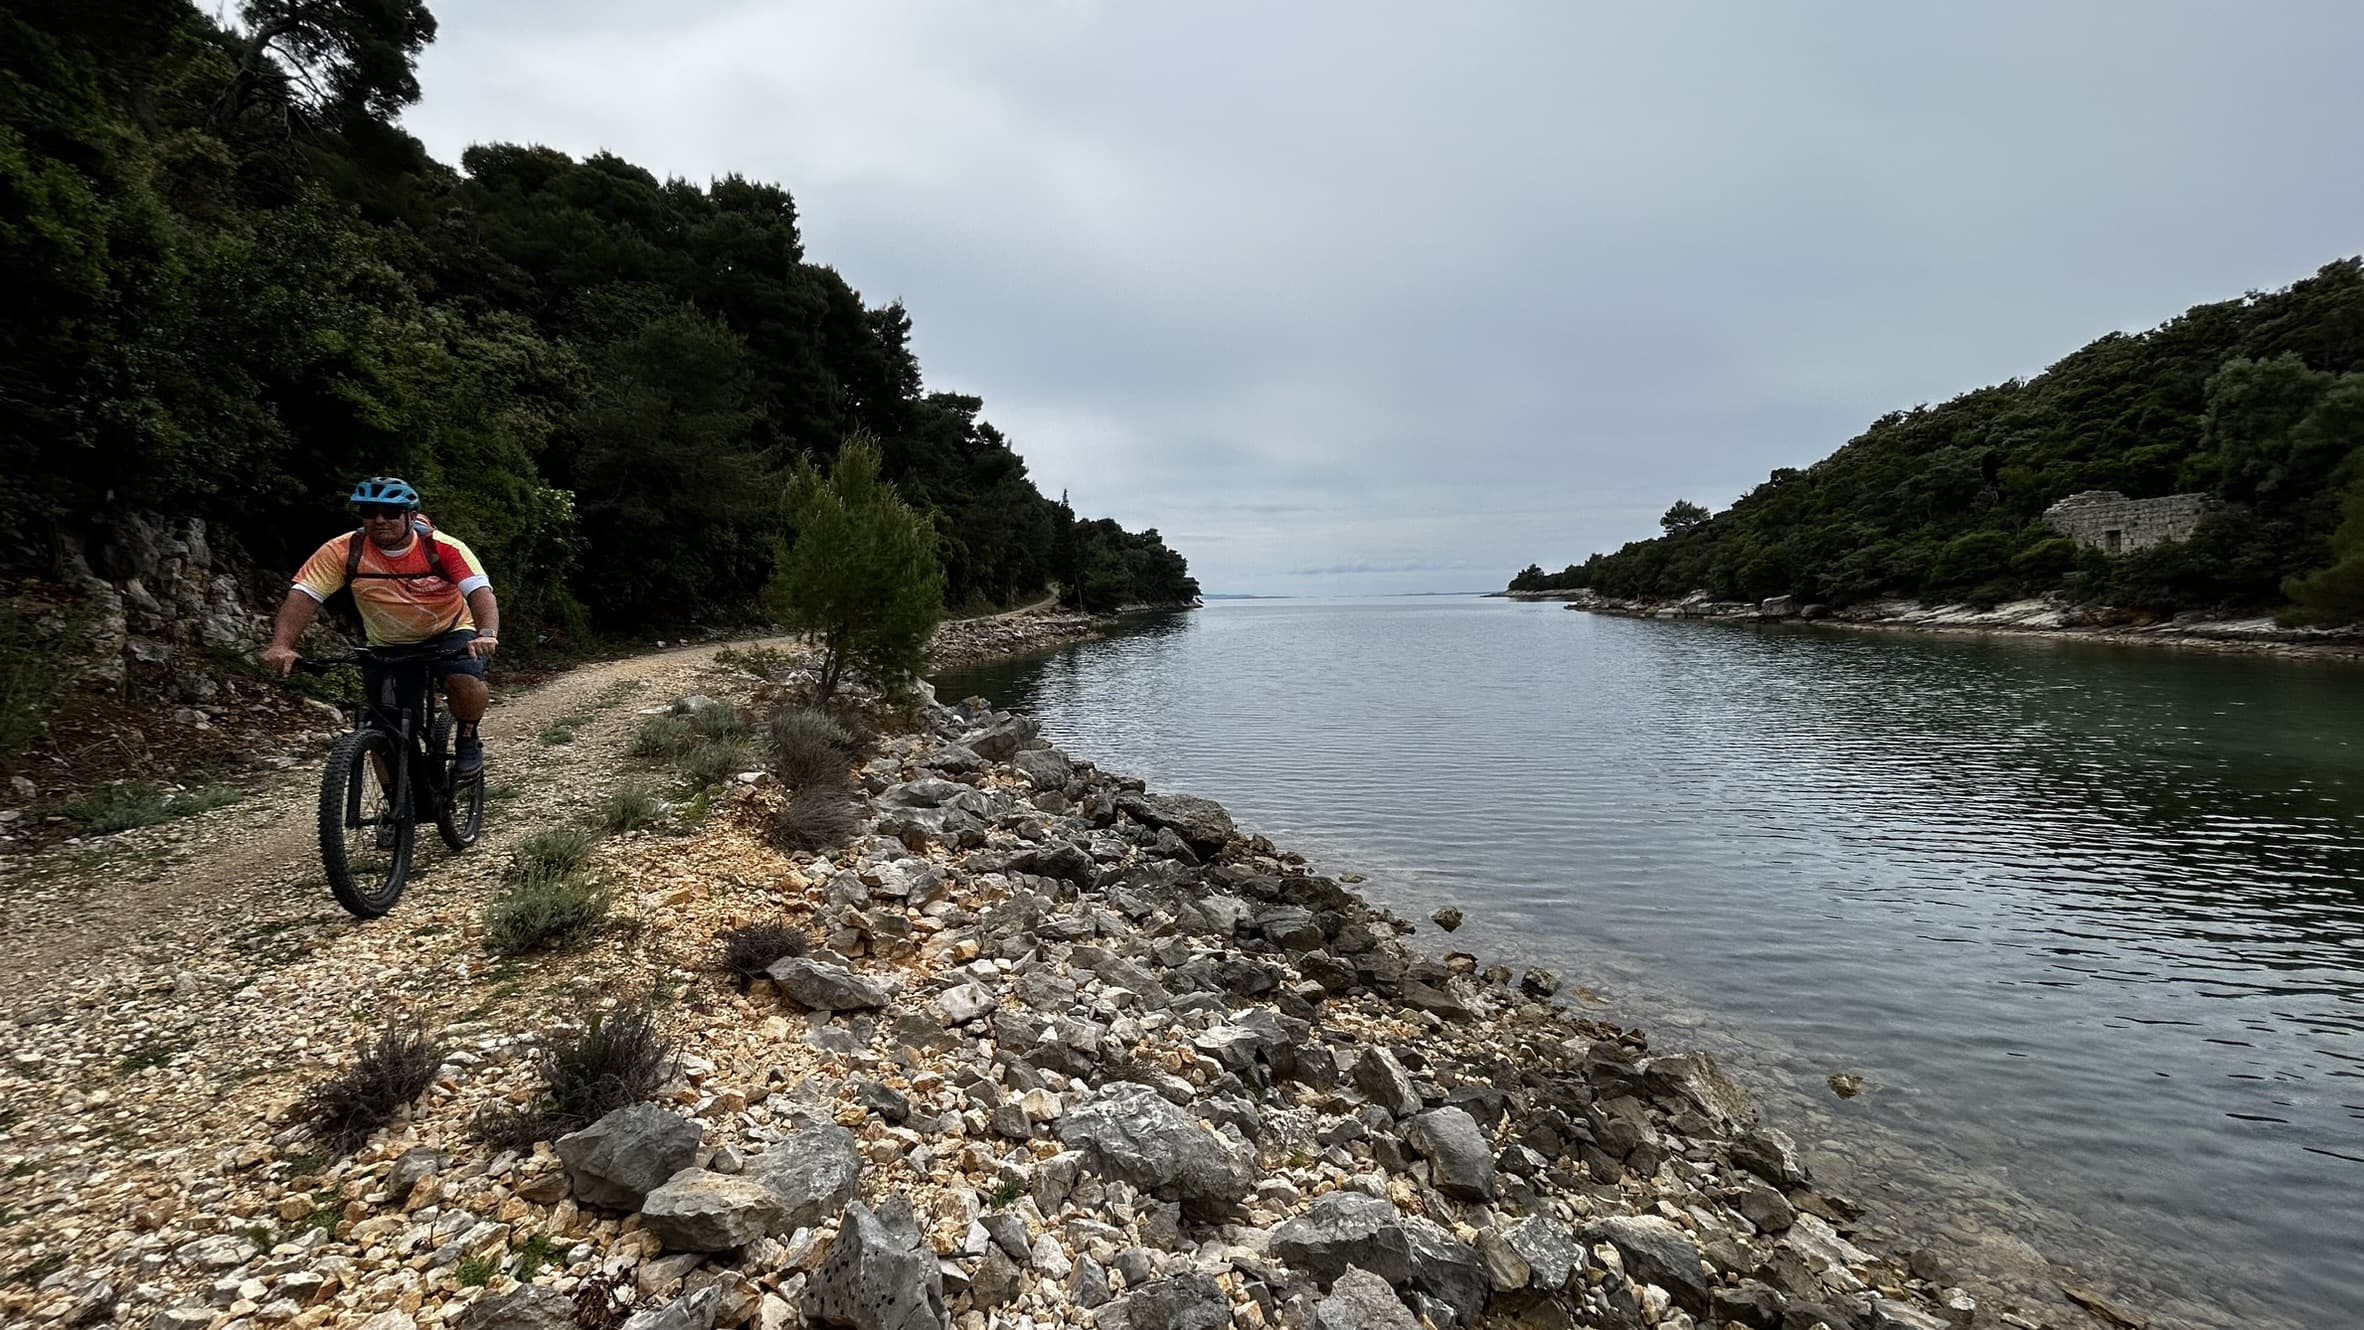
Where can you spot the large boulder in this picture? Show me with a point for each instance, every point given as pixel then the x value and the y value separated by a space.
pixel 1696 1080
pixel 618 1160
pixel 692 1311
pixel 1384 1082
pixel 1447 1269
pixel 1360 1300
pixel 1044 768
pixel 1130 1132
pixel 1657 1252
pixel 1460 1161
pixel 700 1211
pixel 1201 822
pixel 1182 1302
pixel 821 986
pixel 1549 1250
pixel 527 1307
pixel 813 1172
pixel 1346 1228
pixel 1001 740
pixel 879 1274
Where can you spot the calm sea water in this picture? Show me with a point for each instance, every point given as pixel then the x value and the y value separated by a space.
pixel 2088 920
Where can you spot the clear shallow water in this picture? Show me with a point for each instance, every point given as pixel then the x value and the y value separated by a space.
pixel 2089 919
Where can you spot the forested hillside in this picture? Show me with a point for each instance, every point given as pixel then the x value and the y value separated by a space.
pixel 235 284
pixel 2258 401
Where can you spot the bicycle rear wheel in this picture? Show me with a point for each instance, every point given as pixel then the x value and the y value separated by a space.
pixel 461 818
pixel 365 840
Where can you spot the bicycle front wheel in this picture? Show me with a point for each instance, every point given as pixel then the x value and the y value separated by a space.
pixel 365 838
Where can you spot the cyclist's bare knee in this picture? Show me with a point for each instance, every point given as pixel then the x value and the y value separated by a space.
pixel 467 695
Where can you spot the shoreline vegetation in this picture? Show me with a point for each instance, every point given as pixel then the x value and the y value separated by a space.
pixel 2037 617
pixel 1035 1041
pixel 2210 466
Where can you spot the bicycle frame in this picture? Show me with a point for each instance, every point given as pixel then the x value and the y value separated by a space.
pixel 410 726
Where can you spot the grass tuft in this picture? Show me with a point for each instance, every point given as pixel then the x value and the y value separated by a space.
pixel 137 803
pixel 663 737
pixel 617 1061
pixel 551 852
pixel 386 1076
pixel 715 761
pixel 748 952
pixel 628 808
pixel 545 911
pixel 769 663
pixel 476 1271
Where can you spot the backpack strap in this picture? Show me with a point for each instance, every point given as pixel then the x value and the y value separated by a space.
pixel 426 540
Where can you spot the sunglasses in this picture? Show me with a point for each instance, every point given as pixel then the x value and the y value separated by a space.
pixel 384 512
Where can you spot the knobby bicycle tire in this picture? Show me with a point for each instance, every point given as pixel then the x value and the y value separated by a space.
pixel 349 763
pixel 460 818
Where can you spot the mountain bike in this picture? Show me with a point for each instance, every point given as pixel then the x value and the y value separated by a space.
pixel 390 771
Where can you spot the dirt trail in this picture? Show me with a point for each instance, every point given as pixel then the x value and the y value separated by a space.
pixel 172 888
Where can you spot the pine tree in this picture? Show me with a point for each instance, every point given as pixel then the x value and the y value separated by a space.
pixel 862 576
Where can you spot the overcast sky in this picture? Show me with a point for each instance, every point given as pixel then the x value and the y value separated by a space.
pixel 1360 297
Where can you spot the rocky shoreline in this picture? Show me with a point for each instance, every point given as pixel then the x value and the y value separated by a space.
pixel 1063 1052
pixel 2046 617
pixel 961 642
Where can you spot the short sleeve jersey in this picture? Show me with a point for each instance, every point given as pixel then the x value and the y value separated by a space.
pixel 401 599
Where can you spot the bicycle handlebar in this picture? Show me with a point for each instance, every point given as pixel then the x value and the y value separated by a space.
pixel 410 655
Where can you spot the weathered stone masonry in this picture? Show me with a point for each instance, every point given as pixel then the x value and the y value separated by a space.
pixel 2114 524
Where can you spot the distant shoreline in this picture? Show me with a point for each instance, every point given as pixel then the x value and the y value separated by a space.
pixel 2254 633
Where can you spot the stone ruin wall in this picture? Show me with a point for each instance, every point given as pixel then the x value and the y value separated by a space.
pixel 2091 518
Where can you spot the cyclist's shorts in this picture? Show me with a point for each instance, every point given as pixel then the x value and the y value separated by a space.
pixel 451 658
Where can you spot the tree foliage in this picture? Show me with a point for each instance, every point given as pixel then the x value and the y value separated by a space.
pixel 235 284
pixel 2258 401
pixel 861 574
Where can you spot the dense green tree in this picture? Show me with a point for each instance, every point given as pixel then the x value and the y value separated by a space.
pixel 234 283
pixel 861 574
pixel 1681 517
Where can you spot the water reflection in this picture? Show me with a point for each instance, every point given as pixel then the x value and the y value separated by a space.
pixel 2088 917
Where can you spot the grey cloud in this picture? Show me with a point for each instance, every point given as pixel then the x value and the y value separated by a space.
pixel 1357 287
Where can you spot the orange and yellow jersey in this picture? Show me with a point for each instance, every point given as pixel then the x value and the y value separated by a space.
pixel 401 599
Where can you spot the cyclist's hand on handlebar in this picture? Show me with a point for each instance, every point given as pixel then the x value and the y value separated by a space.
pixel 483 645
pixel 280 660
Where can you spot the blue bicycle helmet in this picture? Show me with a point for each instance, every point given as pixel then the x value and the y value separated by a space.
pixel 386 489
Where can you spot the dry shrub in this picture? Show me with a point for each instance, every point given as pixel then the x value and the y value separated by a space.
pixel 616 1061
pixel 748 952
pixel 818 818
pixel 386 1075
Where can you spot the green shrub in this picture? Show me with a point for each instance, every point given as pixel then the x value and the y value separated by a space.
pixel 629 808
pixel 718 722
pixel 545 912
pixel 715 761
pixel 616 1061
pixel 387 1075
pixel 118 807
pixel 138 803
pixel 28 683
pixel 551 852
pixel 476 1271
pixel 768 663
pixel 807 746
pixel 663 737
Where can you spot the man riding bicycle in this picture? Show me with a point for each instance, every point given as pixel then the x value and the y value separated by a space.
pixel 413 586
